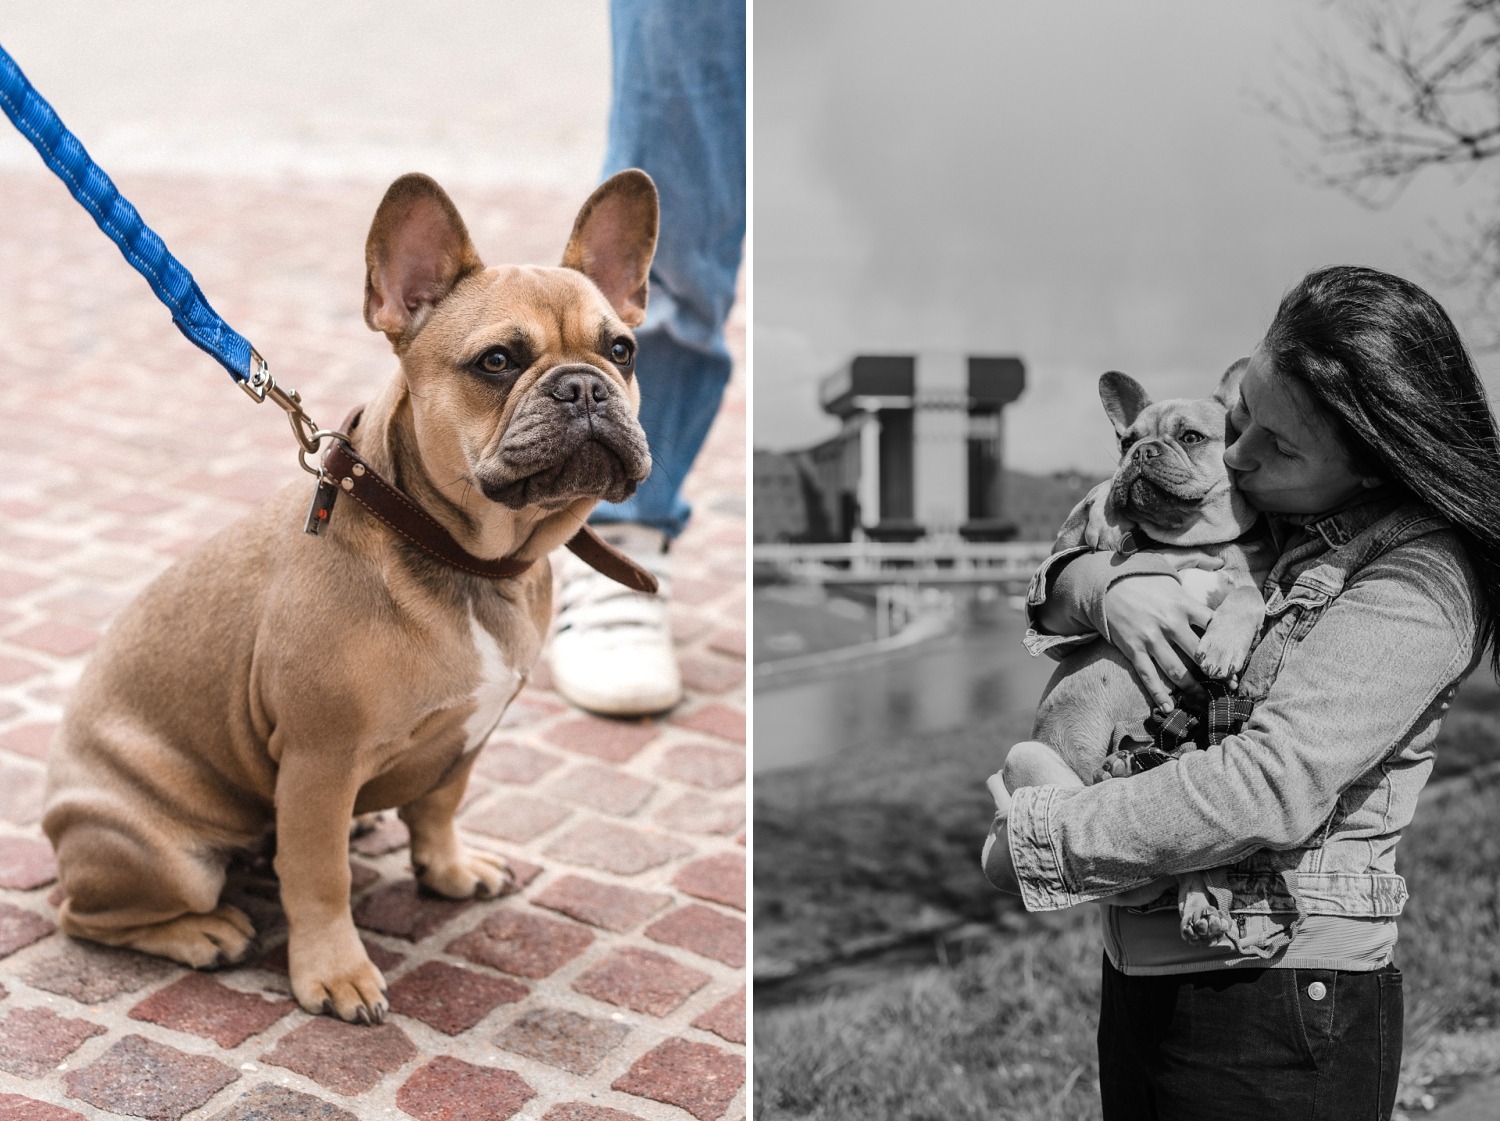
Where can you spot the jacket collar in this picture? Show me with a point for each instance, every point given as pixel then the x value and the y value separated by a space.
pixel 1341 525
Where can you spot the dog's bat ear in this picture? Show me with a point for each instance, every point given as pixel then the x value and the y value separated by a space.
pixel 614 239
pixel 1123 398
pixel 1229 385
pixel 418 249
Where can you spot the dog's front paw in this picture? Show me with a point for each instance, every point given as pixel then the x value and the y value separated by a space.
pixel 1220 660
pixel 346 985
pixel 1205 928
pixel 469 873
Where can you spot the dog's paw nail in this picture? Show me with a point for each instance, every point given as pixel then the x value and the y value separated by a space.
pixel 328 1006
pixel 362 1014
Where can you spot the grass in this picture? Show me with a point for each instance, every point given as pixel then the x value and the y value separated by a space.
pixel 1006 1033
pixel 878 845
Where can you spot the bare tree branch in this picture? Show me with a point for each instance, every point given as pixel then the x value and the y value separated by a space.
pixel 1421 90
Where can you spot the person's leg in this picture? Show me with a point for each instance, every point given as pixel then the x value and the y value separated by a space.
pixel 1248 1044
pixel 677 112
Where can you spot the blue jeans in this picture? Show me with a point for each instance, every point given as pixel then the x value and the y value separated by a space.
pixel 1250 1045
pixel 678 112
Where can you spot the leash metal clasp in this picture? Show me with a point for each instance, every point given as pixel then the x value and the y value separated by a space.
pixel 260 386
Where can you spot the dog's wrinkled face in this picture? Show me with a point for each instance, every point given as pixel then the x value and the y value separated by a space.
pixel 1171 479
pixel 529 373
pixel 522 378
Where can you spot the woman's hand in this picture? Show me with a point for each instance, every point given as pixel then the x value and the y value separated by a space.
pixel 1151 621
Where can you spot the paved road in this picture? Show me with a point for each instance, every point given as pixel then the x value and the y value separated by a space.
pixel 487 91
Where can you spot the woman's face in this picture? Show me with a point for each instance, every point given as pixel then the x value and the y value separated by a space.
pixel 1287 458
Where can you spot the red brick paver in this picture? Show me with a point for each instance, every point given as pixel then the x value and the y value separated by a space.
pixel 348 1058
pixel 403 911
pixel 726 1019
pixel 202 1006
pixel 608 905
pixel 563 1039
pixel 526 945
pixel 449 1089
pixel 719 878
pixel 279 1103
pixel 20 928
pixel 26 863
pixel 122 448
pixel 14 1107
pixel 141 1078
pixel 450 998
pixel 641 980
pixel 696 1076
pixel 34 1040
pixel 704 931
pixel 577 1111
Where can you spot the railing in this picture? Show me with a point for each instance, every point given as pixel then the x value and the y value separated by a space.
pixel 916 562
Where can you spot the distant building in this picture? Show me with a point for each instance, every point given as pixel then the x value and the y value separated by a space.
pixel 919 454
pixel 920 449
pixel 780 505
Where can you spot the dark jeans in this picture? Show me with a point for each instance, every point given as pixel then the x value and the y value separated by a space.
pixel 1251 1044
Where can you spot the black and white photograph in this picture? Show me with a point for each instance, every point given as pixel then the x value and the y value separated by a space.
pixel 1126 521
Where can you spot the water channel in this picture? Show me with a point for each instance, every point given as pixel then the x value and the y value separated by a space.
pixel 976 671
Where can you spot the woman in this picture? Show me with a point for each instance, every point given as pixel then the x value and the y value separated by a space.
pixel 1364 433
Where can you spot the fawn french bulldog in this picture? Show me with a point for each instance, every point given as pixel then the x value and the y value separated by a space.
pixel 1171 490
pixel 277 679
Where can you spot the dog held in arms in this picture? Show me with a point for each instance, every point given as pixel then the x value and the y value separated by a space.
pixel 277 679
pixel 1171 491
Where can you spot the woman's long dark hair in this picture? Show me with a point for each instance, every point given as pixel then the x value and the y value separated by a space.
pixel 1382 358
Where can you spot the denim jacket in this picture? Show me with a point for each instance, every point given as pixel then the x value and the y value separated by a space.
pixel 1372 622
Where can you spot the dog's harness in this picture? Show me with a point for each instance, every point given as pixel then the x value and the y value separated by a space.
pixel 1194 724
pixel 342 468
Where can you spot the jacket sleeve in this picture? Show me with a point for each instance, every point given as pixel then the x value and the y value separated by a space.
pixel 1082 600
pixel 1353 690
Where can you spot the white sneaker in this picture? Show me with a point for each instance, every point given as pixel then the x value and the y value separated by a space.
pixel 611 649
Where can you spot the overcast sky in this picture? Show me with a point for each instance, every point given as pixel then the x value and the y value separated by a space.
pixel 1084 183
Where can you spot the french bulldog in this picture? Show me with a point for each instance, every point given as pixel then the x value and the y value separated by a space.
pixel 1170 491
pixel 274 679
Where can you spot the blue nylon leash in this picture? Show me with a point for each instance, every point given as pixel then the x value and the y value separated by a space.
pixel 147 253
pixel 122 224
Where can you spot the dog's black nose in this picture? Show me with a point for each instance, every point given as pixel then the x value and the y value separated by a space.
pixel 1144 452
pixel 575 386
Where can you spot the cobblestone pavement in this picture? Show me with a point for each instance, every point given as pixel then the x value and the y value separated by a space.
pixel 612 985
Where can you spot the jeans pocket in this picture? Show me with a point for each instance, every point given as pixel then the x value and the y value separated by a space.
pixel 1314 998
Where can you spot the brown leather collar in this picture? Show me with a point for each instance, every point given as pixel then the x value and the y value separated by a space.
pixel 344 469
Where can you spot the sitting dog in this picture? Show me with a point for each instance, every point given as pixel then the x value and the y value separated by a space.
pixel 277 679
pixel 1170 490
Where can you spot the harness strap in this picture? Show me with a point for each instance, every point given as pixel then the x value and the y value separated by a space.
pixel 146 252
pixel 1186 728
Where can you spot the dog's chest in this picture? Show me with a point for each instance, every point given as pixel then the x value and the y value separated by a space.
pixel 497 686
pixel 1208 588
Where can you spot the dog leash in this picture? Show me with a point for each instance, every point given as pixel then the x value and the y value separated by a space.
pixel 174 286
pixel 206 329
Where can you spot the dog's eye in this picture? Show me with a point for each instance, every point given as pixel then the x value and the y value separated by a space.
pixel 1127 442
pixel 622 352
pixel 1191 437
pixel 496 360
